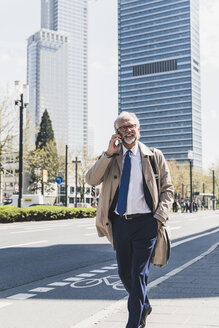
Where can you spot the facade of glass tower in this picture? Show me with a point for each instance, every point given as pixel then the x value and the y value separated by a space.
pixel 159 73
pixel 57 70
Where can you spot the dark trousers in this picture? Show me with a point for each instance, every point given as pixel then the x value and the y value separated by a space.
pixel 134 241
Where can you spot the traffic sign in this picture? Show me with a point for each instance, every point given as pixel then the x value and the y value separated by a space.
pixel 59 180
pixel 45 175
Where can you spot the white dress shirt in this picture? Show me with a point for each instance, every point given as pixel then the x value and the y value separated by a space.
pixel 135 200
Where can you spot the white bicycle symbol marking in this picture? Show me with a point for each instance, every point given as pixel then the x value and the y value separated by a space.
pixel 91 282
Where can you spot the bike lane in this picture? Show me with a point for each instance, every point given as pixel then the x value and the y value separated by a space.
pixel 71 297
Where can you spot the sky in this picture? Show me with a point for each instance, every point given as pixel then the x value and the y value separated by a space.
pixel 20 19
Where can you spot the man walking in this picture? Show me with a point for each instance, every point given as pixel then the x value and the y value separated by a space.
pixel 130 209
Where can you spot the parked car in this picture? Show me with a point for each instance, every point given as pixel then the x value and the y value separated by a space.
pixel 28 200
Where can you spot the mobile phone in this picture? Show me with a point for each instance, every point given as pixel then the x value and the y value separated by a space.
pixel 117 142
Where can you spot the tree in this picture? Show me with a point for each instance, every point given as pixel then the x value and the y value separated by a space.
pixel 46 133
pixel 181 176
pixel 8 130
pixel 84 166
pixel 44 156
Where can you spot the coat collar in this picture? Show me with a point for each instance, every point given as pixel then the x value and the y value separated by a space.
pixel 144 150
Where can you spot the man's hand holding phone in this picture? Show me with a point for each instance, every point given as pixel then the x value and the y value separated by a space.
pixel 114 144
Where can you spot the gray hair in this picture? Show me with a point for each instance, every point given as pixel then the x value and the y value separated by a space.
pixel 126 114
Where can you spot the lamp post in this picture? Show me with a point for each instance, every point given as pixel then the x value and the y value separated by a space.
pixel 21 100
pixel 190 158
pixel 213 182
pixel 66 175
pixel 76 162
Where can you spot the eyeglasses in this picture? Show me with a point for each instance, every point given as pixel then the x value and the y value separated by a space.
pixel 127 127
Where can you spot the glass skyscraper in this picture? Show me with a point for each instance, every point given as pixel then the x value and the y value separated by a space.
pixel 57 70
pixel 159 73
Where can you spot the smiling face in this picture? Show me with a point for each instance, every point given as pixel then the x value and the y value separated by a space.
pixel 129 131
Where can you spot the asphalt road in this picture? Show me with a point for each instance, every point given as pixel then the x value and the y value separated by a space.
pixel 56 274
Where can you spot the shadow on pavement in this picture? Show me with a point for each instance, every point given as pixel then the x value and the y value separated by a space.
pixel 25 268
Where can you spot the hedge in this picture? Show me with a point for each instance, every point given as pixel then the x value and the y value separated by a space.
pixel 39 213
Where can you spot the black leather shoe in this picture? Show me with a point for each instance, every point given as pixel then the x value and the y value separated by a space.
pixel 144 317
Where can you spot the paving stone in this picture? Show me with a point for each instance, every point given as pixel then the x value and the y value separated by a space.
pixel 188 300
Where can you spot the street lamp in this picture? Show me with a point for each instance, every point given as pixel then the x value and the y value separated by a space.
pixel 190 158
pixel 76 162
pixel 213 181
pixel 21 100
pixel 66 175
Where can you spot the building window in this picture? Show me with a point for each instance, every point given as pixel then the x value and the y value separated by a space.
pixel 196 69
pixel 157 67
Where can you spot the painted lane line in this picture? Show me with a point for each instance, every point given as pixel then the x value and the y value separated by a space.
pixel 27 231
pixel 108 268
pixel 174 221
pixel 172 273
pixel 86 225
pixel 41 290
pixel 97 317
pixel 21 296
pixel 115 265
pixel 116 306
pixel 73 279
pixel 175 228
pixel 86 275
pixel 192 238
pixel 98 271
pixel 26 244
pixel 90 234
pixel 59 284
pixel 3 304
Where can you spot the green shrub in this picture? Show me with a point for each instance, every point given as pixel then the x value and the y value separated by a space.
pixel 43 212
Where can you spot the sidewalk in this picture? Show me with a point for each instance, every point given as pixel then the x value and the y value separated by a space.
pixel 188 299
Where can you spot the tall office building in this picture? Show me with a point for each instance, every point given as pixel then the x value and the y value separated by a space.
pixel 47 73
pixel 57 70
pixel 159 73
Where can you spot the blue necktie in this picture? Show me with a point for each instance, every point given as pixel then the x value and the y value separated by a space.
pixel 124 185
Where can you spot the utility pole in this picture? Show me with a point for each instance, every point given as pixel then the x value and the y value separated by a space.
pixel 213 200
pixel 66 175
pixel 190 158
pixel 76 162
pixel 22 103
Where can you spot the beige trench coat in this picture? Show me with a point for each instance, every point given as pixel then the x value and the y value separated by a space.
pixel 108 172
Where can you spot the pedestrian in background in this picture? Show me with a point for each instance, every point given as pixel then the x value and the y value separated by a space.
pixel 130 210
